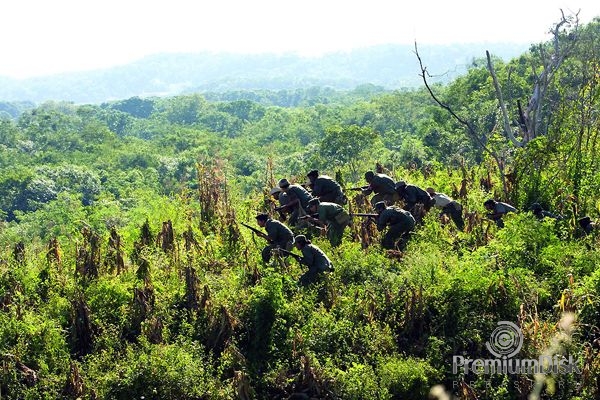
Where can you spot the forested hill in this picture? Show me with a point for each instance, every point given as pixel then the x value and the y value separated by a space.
pixel 127 270
pixel 390 66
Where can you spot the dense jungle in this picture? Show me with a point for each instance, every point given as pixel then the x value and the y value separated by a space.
pixel 125 271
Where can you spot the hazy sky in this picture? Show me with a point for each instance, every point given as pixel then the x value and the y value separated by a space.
pixel 48 36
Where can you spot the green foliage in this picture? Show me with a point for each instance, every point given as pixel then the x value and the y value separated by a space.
pixel 190 312
pixel 179 371
pixel 406 378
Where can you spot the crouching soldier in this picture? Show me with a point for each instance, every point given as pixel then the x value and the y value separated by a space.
pixel 400 223
pixel 383 187
pixel 449 207
pixel 587 226
pixel 278 235
pixel 539 212
pixel 296 200
pixel 331 216
pixel 413 195
pixel 314 258
pixel 497 210
pixel 326 188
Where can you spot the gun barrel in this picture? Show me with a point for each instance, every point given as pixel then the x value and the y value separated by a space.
pixel 253 229
pixel 357 188
pixel 364 215
pixel 309 216
pixel 289 253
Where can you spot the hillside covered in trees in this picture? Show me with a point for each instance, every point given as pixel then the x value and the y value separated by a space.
pixel 125 271
pixel 390 66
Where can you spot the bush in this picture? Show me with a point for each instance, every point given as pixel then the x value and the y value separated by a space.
pixel 178 371
pixel 406 379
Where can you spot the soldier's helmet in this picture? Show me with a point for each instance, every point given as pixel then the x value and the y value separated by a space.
pixel 400 184
pixel 314 202
pixel 369 175
pixel 283 183
pixel 380 205
pixel 275 190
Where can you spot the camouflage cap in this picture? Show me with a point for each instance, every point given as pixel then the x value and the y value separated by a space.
pixel 283 183
pixel 313 172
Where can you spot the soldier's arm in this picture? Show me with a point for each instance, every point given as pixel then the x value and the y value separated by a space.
pixel 271 233
pixel 307 258
pixel 495 215
pixel 293 200
pixel 381 222
pixel 411 196
pixel 317 189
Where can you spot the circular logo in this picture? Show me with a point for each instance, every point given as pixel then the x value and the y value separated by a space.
pixel 505 340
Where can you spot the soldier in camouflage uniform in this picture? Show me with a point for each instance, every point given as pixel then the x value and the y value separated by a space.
pixel 497 210
pixel 383 186
pixel 326 188
pixel 332 216
pixel 297 199
pixel 588 227
pixel 413 195
pixel 278 235
pixel 314 258
pixel 449 207
pixel 539 212
pixel 282 199
pixel 400 223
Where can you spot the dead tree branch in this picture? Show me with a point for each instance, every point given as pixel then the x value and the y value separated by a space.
pixel 469 127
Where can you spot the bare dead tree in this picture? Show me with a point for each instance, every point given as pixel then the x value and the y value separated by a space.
pixel 470 129
pixel 529 119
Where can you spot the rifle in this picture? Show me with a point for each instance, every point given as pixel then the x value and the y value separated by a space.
pixel 316 215
pixel 259 233
pixel 364 215
pixel 289 253
pixel 358 188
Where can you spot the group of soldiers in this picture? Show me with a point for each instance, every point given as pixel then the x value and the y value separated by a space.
pixel 498 209
pixel 322 207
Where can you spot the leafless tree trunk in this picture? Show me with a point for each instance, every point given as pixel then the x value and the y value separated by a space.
pixel 471 132
pixel 529 119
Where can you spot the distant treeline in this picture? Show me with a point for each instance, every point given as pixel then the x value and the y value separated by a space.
pixel 389 66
